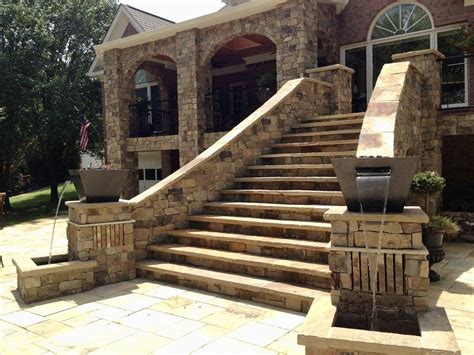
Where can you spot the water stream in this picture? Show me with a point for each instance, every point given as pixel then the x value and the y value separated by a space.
pixel 369 185
pixel 55 219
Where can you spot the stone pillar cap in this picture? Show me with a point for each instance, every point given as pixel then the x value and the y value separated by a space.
pixel 330 67
pixel 420 53
pixel 84 205
pixel 411 214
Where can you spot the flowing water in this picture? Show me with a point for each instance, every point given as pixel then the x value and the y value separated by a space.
pixel 367 187
pixel 55 219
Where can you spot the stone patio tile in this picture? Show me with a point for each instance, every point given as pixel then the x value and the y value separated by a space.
pixel 9 307
pixel 226 320
pixel 130 301
pixel 222 301
pixel 467 347
pixel 47 308
pixel 93 335
pixel 257 333
pixel 75 311
pixel 81 320
pixel 230 346
pixel 140 343
pixel 199 296
pixel 458 265
pixel 8 329
pixel 464 333
pixel 171 304
pixel 165 292
pixel 54 348
pixel 9 347
pixel 180 329
pixel 288 344
pixel 149 320
pixel 143 286
pixel 464 302
pixel 81 298
pixel 459 318
pixel 193 341
pixel 193 311
pixel 109 290
pixel 49 328
pixel 110 313
pixel 287 320
pixel 23 318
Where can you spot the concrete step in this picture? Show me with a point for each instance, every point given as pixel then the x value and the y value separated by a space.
pixel 263 222
pixel 312 274
pixel 336 117
pixel 286 295
pixel 332 123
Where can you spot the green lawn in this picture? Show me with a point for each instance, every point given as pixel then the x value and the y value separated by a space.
pixel 35 204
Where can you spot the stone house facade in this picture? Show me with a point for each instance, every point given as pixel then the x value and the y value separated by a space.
pixel 171 90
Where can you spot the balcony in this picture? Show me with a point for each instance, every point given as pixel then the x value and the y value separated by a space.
pixel 226 109
pixel 154 119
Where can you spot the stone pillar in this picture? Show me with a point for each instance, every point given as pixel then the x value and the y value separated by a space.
pixel 341 92
pixel 191 93
pixel 103 232
pixel 402 287
pixel 297 24
pixel 117 120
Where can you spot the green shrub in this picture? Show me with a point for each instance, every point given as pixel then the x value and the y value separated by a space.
pixel 444 224
pixel 427 183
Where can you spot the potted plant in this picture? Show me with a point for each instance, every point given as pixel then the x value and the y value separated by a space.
pixel 98 185
pixel 427 184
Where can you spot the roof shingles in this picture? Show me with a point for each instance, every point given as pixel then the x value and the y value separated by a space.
pixel 149 22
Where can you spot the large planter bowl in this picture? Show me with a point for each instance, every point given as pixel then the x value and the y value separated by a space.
pixel 433 240
pixel 96 186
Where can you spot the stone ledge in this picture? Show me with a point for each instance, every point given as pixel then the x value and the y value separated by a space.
pixel 26 267
pixel 417 252
pixel 411 214
pixel 423 52
pixel 132 221
pixel 331 67
pixel 83 205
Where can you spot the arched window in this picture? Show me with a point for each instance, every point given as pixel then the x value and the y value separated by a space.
pixel 142 77
pixel 401 19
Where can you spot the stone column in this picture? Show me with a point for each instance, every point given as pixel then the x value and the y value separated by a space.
pixel 117 120
pixel 191 92
pixel 341 78
pixel 402 287
pixel 103 232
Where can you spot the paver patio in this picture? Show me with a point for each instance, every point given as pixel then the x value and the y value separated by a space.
pixel 144 316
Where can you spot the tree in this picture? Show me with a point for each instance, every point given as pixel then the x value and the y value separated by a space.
pixel 48 47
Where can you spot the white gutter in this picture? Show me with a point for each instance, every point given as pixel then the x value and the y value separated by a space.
pixel 228 14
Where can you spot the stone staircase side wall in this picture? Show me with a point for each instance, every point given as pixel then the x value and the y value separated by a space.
pixel 166 206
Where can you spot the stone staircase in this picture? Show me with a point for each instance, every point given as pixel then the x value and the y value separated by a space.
pixel 266 239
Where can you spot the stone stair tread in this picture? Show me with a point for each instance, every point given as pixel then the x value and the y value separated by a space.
pixel 315 144
pixel 271 206
pixel 250 239
pixel 308 155
pixel 291 166
pixel 263 222
pixel 309 193
pixel 250 283
pixel 336 117
pixel 322 133
pixel 244 259
pixel 330 123
pixel 316 179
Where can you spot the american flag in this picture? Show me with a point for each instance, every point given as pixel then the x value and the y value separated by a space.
pixel 85 125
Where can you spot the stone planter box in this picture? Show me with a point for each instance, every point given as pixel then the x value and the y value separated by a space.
pixel 97 186
pixel 320 335
pixel 38 282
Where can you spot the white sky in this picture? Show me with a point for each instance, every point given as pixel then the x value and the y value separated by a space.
pixel 177 10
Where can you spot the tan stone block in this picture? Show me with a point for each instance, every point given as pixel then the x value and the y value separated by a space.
pixel 411 227
pixel 69 285
pixel 418 283
pixel 339 240
pixel 417 241
pixel 412 268
pixel 31 282
pixel 339 227
pixel 394 228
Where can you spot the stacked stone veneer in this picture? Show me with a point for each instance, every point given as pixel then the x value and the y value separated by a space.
pixel 103 233
pixel 402 282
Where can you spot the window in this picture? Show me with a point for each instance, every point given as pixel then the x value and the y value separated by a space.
pixel 356 59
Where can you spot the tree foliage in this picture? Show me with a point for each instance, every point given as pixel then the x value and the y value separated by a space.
pixel 47 49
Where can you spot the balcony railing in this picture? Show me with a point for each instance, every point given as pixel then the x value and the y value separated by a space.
pixel 226 109
pixel 455 81
pixel 154 119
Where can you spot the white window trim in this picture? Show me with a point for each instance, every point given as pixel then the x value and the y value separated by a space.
pixel 148 87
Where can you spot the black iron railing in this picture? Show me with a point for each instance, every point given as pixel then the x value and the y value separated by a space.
pixel 455 80
pixel 154 119
pixel 226 109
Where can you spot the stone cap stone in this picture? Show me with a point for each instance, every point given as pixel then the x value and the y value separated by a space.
pixel 25 266
pixel 83 205
pixel 330 67
pixel 400 56
pixel 411 214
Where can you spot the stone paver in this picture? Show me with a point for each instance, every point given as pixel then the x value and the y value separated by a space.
pixel 143 316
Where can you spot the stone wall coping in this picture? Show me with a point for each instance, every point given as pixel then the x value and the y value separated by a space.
pixel 286 91
pixel 331 67
pixel 131 221
pixel 83 205
pixel 419 53
pixel 411 214
pixel 317 332
pixel 25 266
pixel 419 252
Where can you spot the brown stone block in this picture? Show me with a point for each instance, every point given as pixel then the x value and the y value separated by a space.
pixel 418 283
pixel 69 285
pixel 411 227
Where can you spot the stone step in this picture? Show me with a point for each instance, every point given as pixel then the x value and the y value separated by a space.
pixel 300 272
pixel 262 222
pixel 285 248
pixel 315 144
pixel 292 179
pixel 316 209
pixel 292 167
pixel 309 155
pixel 323 133
pixel 308 193
pixel 336 117
pixel 317 183
pixel 289 296
pixel 333 123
